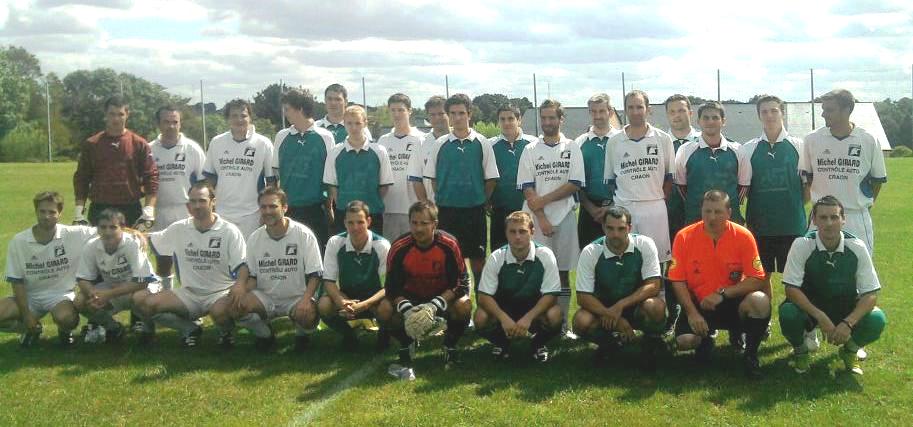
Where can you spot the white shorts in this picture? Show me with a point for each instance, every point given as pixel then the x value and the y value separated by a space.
pixel 125 302
pixel 197 305
pixel 166 215
pixel 277 307
pixel 649 219
pixel 564 242
pixel 247 224
pixel 40 305
pixel 395 225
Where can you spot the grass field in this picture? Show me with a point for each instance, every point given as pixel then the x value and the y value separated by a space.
pixel 123 385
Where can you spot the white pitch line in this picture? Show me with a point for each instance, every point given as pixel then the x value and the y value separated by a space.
pixel 314 409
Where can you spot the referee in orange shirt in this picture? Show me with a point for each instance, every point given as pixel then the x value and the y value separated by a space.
pixel 718 279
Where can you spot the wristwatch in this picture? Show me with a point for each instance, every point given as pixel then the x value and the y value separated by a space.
pixel 722 292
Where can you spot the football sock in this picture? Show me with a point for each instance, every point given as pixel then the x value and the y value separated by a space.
pixel 255 324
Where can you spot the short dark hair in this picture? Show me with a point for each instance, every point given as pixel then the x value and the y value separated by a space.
pixel 827 201
pixel 768 98
pixel 458 99
pixel 356 206
pixel 116 101
pixel 48 196
pixel 711 105
pixel 435 101
pixel 617 212
pixel 165 109
pixel 299 100
pixel 551 103
pixel 401 98
pixel 508 107
pixel 273 191
pixel 238 103
pixel 113 215
pixel 677 97
pixel 338 88
pixel 842 97
pixel 203 183
pixel 520 217
pixel 715 196
pixel 640 93
pixel 421 206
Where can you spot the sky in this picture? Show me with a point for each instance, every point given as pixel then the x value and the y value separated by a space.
pixel 575 48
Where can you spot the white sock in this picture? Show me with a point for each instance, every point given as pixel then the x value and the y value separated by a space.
pixel 564 301
pixel 255 324
pixel 178 323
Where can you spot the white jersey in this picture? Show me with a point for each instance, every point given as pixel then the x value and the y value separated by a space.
pixel 639 168
pixel 179 166
pixel 47 269
pixel 241 168
pixel 282 266
pixel 207 261
pixel 844 168
pixel 401 150
pixel 128 263
pixel 417 165
pixel 545 168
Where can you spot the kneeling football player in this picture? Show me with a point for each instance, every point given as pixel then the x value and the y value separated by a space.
pixel 356 260
pixel 618 289
pixel 518 292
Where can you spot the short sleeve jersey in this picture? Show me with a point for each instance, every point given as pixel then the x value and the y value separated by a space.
pixel 520 281
pixel 832 281
pixel 545 167
pixel 358 174
pixel 339 130
pixel 461 167
pixel 243 167
pixel 775 203
pixel 128 263
pixel 50 268
pixel 610 277
pixel 507 157
pixel 179 167
pixel 207 262
pixel 844 168
pixel 299 158
pixel 358 273
pixel 419 274
pixel 593 150
pixel 417 165
pixel 282 266
pixel 675 204
pixel 706 266
pixel 401 149
pixel 640 168
pixel 700 168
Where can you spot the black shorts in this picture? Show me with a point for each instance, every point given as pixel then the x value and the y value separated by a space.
pixel 587 227
pixel 377 223
pixel 517 309
pixel 773 251
pixel 498 231
pixel 469 227
pixel 726 316
pixel 132 211
pixel 315 218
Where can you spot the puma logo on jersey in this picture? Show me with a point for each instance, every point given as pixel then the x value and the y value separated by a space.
pixel 854 150
pixel 601 145
pixel 357 260
pixel 291 249
pixel 831 263
pixel 115 144
pixel 772 154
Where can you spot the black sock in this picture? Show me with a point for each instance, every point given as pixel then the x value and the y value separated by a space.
pixel 400 335
pixel 754 332
pixel 544 336
pixel 338 324
pixel 495 335
pixel 455 330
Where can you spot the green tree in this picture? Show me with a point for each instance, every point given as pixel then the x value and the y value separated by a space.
pixel 488 104
pixel 897 120
pixel 15 91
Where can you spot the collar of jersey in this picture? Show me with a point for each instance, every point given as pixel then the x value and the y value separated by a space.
pixel 473 135
pixel 693 135
pixel 651 132
pixel 780 138
pixel 612 132
pixel 58 232
pixel 295 131
pixel 725 144
pixel 327 122
pixel 561 138
pixel 521 137
pixel 608 254
pixel 820 245
pixel 365 147
pixel 181 137
pixel 509 256
pixel 364 250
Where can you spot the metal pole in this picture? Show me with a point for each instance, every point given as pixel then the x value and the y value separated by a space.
pixel 718 98
pixel 119 80
pixel 536 103
pixel 203 115
pixel 281 110
pixel 47 96
pixel 548 89
pixel 446 86
pixel 811 73
pixel 364 95
pixel 623 92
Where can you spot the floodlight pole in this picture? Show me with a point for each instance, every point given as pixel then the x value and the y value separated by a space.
pixel 446 86
pixel 47 97
pixel 624 88
pixel 364 95
pixel 536 103
pixel 718 98
pixel 281 110
pixel 203 115
pixel 811 74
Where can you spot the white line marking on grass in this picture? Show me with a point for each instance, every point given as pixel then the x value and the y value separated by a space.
pixel 314 409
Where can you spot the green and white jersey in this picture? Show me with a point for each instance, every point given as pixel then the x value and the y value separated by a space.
pixel 417 165
pixel 593 149
pixel 243 168
pixel 128 263
pixel 844 168
pixel 545 168
pixel 775 203
pixel 358 174
pixel 507 157
pixel 638 169
pixel 521 282
pixel 339 130
pixel 299 159
pixel 675 204
pixel 47 269
pixel 832 281
pixel 207 262
pixel 179 167
pixel 461 167
pixel 282 266
pixel 700 169
pixel 401 149
pixel 358 273
pixel 610 277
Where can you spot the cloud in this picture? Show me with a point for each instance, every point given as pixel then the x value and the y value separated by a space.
pixel 113 4
pixel 31 22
